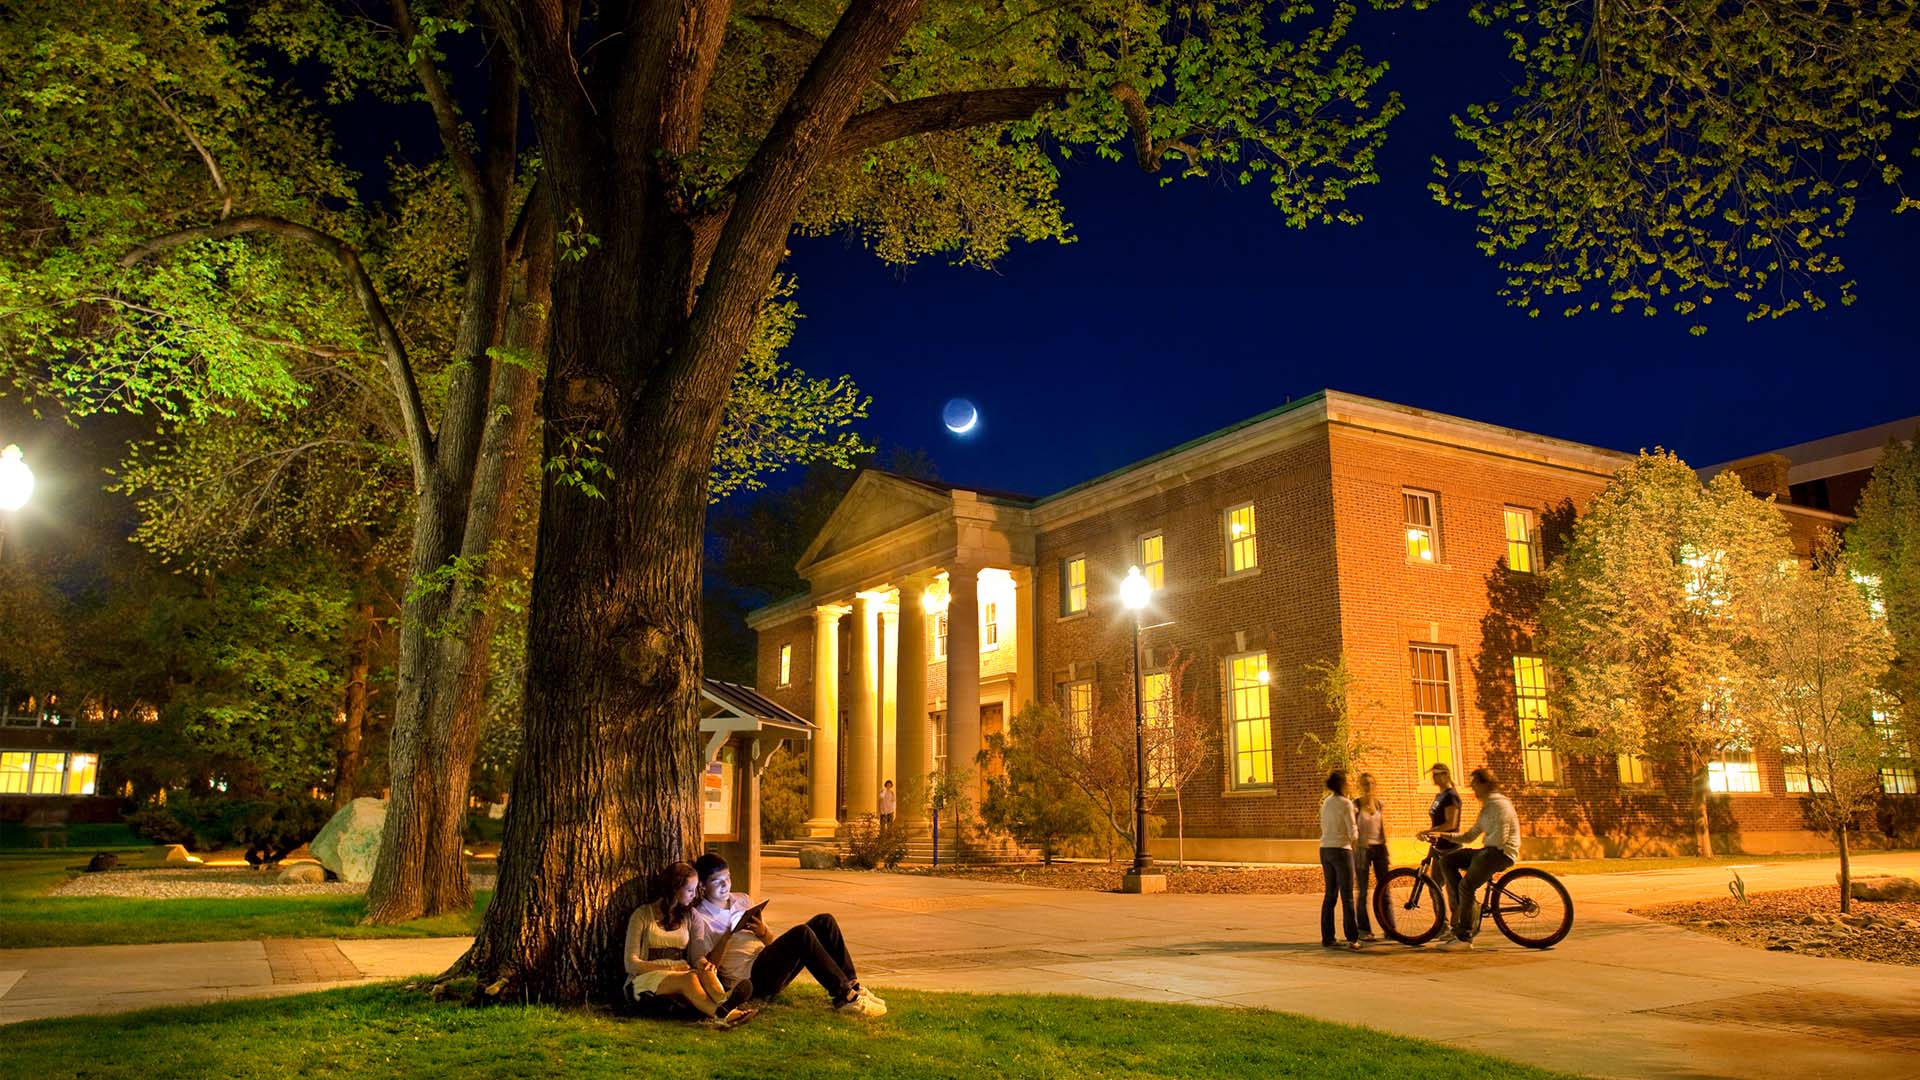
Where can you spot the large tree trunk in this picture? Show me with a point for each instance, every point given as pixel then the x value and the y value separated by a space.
pixel 354 708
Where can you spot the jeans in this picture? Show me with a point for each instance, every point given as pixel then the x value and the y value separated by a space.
pixel 815 946
pixel 1336 867
pixel 1371 857
pixel 1467 871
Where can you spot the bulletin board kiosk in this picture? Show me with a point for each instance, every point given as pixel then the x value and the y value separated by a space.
pixel 743 730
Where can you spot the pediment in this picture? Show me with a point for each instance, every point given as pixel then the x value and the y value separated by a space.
pixel 877 504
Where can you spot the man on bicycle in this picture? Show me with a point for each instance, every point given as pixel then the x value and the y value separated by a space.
pixel 1467 870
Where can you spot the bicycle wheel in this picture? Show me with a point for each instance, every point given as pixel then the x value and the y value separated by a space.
pixel 1532 907
pixel 1408 907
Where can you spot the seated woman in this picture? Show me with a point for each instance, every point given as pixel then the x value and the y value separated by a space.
pixel 656 953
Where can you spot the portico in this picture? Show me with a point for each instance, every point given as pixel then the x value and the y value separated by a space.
pixel 898 678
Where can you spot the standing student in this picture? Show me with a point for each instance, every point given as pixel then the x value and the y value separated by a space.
pixel 1369 848
pixel 887 804
pixel 1443 817
pixel 1336 861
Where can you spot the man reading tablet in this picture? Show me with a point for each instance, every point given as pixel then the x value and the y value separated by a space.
pixel 729 931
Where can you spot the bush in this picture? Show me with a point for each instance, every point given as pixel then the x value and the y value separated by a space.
pixel 871 845
pixel 783 806
pixel 268 828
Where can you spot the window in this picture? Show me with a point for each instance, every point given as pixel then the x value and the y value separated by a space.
pixel 1633 769
pixel 1705 580
pixel 1520 553
pixel 1896 768
pixel 1073 585
pixel 940 636
pixel 1156 708
pixel 1433 708
pixel 16 772
pixel 1734 772
pixel 1153 560
pixel 989 627
pixel 48 772
pixel 1423 539
pixel 1248 717
pixel 82 770
pixel 1242 552
pixel 1530 707
pixel 1076 704
pixel 786 665
pixel 937 738
pixel 23 772
pixel 1802 768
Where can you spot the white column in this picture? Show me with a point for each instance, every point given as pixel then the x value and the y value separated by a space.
pixel 963 675
pixel 863 709
pixel 823 750
pixel 889 700
pixel 911 752
pixel 1026 642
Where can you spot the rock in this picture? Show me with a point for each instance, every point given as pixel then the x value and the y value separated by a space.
pixel 305 873
pixel 171 854
pixel 1781 946
pixel 1717 924
pixel 818 858
pixel 1886 888
pixel 350 842
pixel 105 860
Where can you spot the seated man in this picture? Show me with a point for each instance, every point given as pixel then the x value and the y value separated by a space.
pixel 1467 870
pixel 751 952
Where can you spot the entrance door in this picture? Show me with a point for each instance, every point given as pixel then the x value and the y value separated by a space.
pixel 993 722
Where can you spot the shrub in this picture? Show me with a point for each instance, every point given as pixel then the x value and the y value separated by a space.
pixel 268 828
pixel 871 845
pixel 783 804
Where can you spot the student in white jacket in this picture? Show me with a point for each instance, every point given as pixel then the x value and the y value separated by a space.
pixel 1336 861
pixel 1467 870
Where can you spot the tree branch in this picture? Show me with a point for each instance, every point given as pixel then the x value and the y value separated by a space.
pixel 213 168
pixel 445 115
pixel 944 112
pixel 399 370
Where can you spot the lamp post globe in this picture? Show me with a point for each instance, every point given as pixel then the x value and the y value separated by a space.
pixel 16 479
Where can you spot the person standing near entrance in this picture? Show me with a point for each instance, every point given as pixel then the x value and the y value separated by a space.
pixel 1336 861
pixel 1369 848
pixel 887 802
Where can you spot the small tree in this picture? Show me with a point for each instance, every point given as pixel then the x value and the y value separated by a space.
pixel 1034 800
pixel 1651 617
pixel 783 807
pixel 1824 652
pixel 1178 739
pixel 1884 546
pixel 1344 747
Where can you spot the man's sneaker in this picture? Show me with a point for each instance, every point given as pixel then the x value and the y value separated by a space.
pixel 861 991
pixel 1456 944
pixel 861 1005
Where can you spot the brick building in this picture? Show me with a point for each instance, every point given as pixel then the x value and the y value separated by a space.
pixel 1406 540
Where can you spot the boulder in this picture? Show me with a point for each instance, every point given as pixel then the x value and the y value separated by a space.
pixel 349 844
pixel 1886 888
pixel 304 873
pixel 172 854
pixel 105 860
pixel 818 858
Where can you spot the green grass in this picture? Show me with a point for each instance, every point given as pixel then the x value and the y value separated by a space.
pixel 386 1032
pixel 35 920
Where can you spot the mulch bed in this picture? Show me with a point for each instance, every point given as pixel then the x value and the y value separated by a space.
pixel 1805 921
pixel 1102 877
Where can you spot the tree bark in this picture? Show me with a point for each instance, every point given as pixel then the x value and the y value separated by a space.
pixel 354 708
pixel 1702 822
pixel 1846 871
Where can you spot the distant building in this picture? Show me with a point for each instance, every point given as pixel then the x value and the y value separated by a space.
pixel 1408 540
pixel 1825 474
pixel 49 767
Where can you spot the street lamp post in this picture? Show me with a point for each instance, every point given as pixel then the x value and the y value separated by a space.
pixel 1135 592
pixel 16 487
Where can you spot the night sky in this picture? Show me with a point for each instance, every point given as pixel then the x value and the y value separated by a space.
pixel 1182 309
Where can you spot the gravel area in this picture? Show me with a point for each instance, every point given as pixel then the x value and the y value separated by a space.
pixel 208 884
pixel 1101 877
pixel 1805 921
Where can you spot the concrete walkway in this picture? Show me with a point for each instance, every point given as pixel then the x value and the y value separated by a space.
pixel 1621 997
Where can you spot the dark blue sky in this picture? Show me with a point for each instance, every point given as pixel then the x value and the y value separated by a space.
pixel 1179 310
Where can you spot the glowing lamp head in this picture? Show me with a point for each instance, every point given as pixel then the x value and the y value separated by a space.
pixel 1135 591
pixel 16 480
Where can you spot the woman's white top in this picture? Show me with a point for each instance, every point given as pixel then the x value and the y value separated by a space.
pixel 1371 829
pixel 1336 822
pixel 652 952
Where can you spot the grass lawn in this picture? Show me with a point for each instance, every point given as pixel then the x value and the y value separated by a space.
pixel 385 1032
pixel 33 919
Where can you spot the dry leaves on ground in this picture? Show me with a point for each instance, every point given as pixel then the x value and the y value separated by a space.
pixel 1805 921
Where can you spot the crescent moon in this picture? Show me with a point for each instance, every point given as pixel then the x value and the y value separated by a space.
pixel 973 417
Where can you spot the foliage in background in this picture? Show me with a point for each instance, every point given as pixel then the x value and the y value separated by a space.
pixel 1884 545
pixel 1652 619
pixel 783 800
pixel 1343 747
pixel 271 827
pixel 1032 798
pixel 1665 157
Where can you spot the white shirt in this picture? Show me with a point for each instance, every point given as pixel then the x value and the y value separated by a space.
pixel 886 800
pixel 1336 822
pixel 1499 824
pixel 742 949
pixel 1371 830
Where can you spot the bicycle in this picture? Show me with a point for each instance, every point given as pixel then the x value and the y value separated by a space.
pixel 1529 905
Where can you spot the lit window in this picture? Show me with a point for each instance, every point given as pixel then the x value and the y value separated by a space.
pixel 1243 553
pixel 937 738
pixel 940 636
pixel 989 627
pixel 1422 533
pixel 48 772
pixel 1433 708
pixel 1530 706
pixel 1073 585
pixel 1248 714
pixel 1633 769
pixel 1705 579
pixel 1520 554
pixel 1156 708
pixel 82 770
pixel 786 665
pixel 16 772
pixel 1153 560
pixel 1870 585
pixel 1734 772
pixel 1076 702
pixel 1896 768
pixel 1802 769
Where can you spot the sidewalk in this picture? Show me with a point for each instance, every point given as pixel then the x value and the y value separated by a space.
pixel 1621 997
